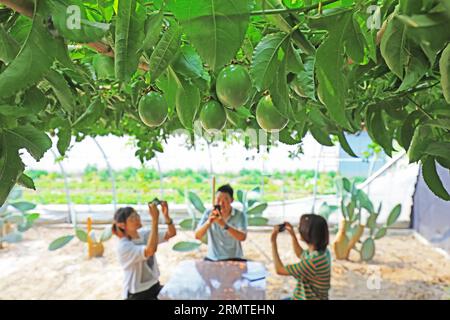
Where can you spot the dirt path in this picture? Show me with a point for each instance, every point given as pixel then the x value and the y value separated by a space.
pixel 406 268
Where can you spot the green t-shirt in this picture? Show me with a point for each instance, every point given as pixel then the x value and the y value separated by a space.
pixel 313 274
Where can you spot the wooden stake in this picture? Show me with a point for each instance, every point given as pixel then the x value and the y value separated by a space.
pixel 89 240
pixel 213 191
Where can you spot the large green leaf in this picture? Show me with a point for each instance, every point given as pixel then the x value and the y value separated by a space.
pixel 81 235
pixel 188 224
pixel 11 167
pixel 62 91
pixel 130 25
pixel 35 141
pixel 393 46
pixel 186 246
pixel 332 89
pixel 433 180
pixel 187 102
pixel 34 58
pixel 71 20
pixel 444 68
pixel 279 91
pixel 23 206
pixel 196 202
pixel 256 221
pixel 394 214
pixel 8 46
pixel 368 249
pixel 165 51
pixel 153 28
pixel 258 210
pixel 60 242
pixel 216 28
pixel 267 58
pixel 26 182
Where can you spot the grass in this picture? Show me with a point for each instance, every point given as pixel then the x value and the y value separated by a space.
pixel 139 185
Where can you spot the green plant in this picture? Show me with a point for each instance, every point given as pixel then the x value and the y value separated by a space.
pixel 391 81
pixel 88 237
pixel 13 223
pixel 354 205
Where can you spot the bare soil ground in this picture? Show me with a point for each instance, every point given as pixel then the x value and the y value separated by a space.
pixel 405 267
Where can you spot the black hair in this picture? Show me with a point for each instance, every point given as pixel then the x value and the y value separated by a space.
pixel 314 230
pixel 226 188
pixel 121 216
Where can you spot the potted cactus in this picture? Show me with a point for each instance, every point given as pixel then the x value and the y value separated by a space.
pixel 15 218
pixel 95 246
pixel 354 203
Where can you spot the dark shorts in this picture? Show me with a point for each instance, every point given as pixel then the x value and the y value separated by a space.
pixel 149 294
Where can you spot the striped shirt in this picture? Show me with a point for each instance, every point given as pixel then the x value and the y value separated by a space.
pixel 313 274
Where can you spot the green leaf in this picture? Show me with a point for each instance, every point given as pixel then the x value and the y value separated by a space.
pixel 279 91
pixel 258 210
pixel 267 58
pixel 62 91
pixel 35 141
pixel 23 206
pixel 153 28
pixel 393 46
pixel 103 66
pixel 419 143
pixel 188 63
pixel 64 138
pixel 444 68
pixel 344 144
pixel 15 218
pixel 34 59
pixel 130 25
pixel 90 116
pixel 8 46
pixel 11 167
pixel 364 201
pixel 257 221
pixel 321 135
pixel 60 242
pixel 368 249
pixel 216 28
pixel 393 216
pixel 165 51
pixel 186 246
pixel 438 149
pixel 187 103
pixel 332 89
pixel 240 196
pixel 106 234
pixel 347 185
pixel 380 233
pixel 433 180
pixel 355 42
pixel 304 83
pixel 81 235
pixel 188 224
pixel 26 182
pixel 196 202
pixel 71 20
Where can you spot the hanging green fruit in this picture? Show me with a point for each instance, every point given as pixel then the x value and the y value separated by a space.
pixel 153 109
pixel 268 116
pixel 233 86
pixel 213 116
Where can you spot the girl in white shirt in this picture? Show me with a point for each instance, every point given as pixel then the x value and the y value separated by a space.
pixel 137 248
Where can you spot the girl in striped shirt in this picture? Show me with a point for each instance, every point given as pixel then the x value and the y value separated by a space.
pixel 313 271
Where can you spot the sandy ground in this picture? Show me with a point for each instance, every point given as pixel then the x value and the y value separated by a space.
pixel 406 267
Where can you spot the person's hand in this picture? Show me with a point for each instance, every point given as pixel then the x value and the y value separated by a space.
pixel 275 233
pixel 154 212
pixel 165 209
pixel 289 228
pixel 213 216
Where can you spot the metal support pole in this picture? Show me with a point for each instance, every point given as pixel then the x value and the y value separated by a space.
pixel 111 174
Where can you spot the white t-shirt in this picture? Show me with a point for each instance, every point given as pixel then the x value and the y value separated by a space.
pixel 140 273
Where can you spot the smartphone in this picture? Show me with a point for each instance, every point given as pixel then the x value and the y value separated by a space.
pixel 217 207
pixel 155 201
pixel 282 227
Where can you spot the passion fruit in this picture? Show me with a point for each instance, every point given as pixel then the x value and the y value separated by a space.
pixel 153 109
pixel 213 116
pixel 268 116
pixel 233 86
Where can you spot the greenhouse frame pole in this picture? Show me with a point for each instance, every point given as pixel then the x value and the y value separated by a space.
pixel 72 214
pixel 111 173
pixel 316 177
